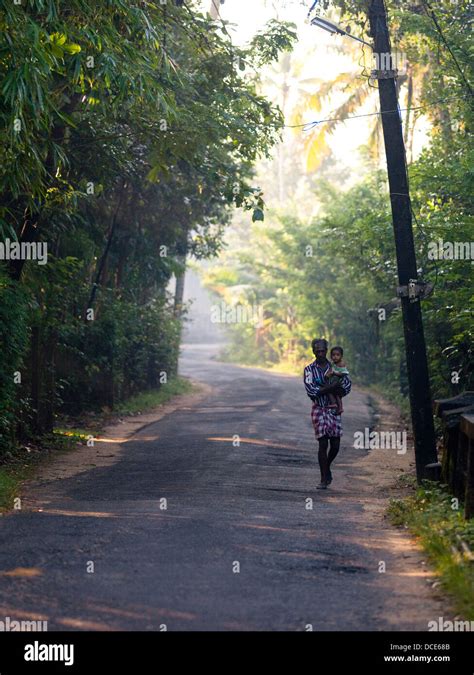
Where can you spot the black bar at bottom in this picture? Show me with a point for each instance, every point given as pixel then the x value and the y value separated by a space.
pixel 152 652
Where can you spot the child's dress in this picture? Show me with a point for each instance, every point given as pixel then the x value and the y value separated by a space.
pixel 337 369
pixel 335 379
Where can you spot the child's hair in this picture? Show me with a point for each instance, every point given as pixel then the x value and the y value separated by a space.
pixel 339 349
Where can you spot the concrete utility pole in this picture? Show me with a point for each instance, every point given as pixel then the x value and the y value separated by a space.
pixel 411 289
pixel 214 10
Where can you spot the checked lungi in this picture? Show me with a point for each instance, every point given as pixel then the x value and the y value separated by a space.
pixel 325 421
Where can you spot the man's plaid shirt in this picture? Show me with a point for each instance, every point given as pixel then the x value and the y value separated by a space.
pixel 314 380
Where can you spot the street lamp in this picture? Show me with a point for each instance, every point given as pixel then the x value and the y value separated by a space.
pixel 334 28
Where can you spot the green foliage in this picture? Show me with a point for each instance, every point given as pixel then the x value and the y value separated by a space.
pixel 128 133
pixel 321 278
pixel 336 275
pixel 151 399
pixel 267 45
pixel 13 341
pixel 121 352
pixel 8 486
pixel 445 535
pixel 443 185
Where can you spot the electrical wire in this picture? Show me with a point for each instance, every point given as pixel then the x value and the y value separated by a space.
pixel 315 123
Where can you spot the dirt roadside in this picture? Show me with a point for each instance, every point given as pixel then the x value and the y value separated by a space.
pixel 382 477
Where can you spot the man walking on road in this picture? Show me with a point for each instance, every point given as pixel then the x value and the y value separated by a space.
pixel 326 421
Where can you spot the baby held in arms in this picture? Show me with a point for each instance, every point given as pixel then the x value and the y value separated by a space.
pixel 333 376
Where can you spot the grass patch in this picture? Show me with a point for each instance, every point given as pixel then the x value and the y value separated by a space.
pixel 23 460
pixel 446 537
pixel 92 423
pixel 152 399
pixel 9 481
pixel 392 395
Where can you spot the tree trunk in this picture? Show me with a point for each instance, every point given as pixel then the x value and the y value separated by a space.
pixel 103 259
pixel 179 291
pixel 49 398
pixel 35 377
pixel 32 221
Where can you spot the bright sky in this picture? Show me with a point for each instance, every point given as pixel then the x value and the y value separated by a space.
pixel 325 63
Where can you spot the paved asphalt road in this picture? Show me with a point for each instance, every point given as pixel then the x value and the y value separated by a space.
pixel 237 546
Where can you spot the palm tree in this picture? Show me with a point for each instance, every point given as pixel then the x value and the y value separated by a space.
pixel 284 84
pixel 359 91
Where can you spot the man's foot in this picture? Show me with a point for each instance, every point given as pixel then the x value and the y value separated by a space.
pixel 329 478
pixel 322 486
